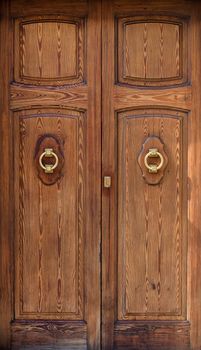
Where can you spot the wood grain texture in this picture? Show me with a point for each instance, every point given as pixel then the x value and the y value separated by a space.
pixel 22 97
pixel 39 38
pixel 93 176
pixel 152 236
pixel 168 58
pixel 180 97
pixel 109 233
pixel 153 336
pixel 128 7
pixel 50 229
pixel 194 168
pixel 54 91
pixel 20 8
pixel 6 205
pixel 152 50
pixel 119 98
pixel 40 335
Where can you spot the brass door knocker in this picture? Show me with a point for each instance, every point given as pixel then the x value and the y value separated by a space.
pixel 153 153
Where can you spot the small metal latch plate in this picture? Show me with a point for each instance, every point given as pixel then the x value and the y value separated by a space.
pixel 107 181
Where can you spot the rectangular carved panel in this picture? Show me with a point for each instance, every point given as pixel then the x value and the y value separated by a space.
pixel 152 50
pixel 152 233
pixel 157 335
pixel 49 50
pixel 50 220
pixel 42 335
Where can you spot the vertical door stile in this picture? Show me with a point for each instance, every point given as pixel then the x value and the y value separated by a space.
pixel 108 169
pixel 6 176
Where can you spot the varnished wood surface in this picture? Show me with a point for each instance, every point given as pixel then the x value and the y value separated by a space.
pixel 22 7
pixel 23 97
pixel 50 230
pixel 154 335
pixel 122 95
pixel 93 179
pixel 152 50
pixel 131 83
pixel 109 232
pixel 55 88
pixel 40 335
pixel 194 168
pixel 38 38
pixel 180 97
pixel 152 234
pixel 128 7
pixel 6 177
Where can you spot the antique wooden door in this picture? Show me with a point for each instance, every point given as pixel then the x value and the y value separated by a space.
pixel 100 120
pixel 151 88
pixel 51 183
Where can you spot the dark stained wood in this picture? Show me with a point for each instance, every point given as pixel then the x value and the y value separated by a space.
pixel 93 176
pixel 194 167
pixel 20 8
pixel 6 176
pixel 109 232
pixel 152 178
pixel 40 335
pixel 153 335
pixel 52 142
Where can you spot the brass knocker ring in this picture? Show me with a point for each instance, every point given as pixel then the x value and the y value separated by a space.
pixel 153 153
pixel 48 168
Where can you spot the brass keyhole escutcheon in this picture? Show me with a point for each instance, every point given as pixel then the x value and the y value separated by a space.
pixel 48 168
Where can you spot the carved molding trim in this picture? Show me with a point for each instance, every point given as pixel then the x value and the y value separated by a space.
pixel 41 37
pixel 152 50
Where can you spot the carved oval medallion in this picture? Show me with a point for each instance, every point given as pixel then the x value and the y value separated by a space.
pixel 153 160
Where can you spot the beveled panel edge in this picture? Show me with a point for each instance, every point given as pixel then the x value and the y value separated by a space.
pixel 183 119
pixel 79 78
pixel 123 80
pixel 22 316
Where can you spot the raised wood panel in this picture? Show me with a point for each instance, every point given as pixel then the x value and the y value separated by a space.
pixel 156 335
pixel 39 38
pixel 152 50
pixel 40 335
pixel 128 7
pixel 50 220
pixel 21 96
pixel 178 97
pixel 20 8
pixel 152 232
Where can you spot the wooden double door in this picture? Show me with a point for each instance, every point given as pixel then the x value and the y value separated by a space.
pixel 100 145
